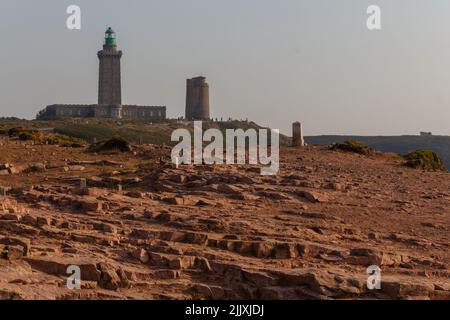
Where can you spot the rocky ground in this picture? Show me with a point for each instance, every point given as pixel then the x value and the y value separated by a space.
pixel 142 229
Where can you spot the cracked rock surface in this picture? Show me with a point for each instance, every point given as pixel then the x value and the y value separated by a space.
pixel 142 229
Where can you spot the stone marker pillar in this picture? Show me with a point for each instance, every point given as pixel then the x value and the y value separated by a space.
pixel 297 135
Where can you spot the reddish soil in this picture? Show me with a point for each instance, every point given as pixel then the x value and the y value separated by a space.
pixel 220 232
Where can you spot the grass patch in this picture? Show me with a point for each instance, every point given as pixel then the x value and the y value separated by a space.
pixel 135 131
pixel 144 132
pixel 38 137
pixel 24 134
pixel 63 141
pixel 424 159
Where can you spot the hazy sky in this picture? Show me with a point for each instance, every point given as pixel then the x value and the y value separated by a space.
pixel 273 61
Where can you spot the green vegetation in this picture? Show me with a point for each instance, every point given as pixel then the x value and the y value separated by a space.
pixel 16 131
pixel 63 141
pixel 134 131
pixel 76 132
pixel 98 130
pixel 39 137
pixel 29 136
pixel 143 132
pixel 424 159
pixel 25 134
pixel 352 146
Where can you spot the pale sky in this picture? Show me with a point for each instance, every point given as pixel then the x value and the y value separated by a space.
pixel 272 61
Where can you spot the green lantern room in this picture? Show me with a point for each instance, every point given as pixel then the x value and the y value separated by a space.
pixel 110 37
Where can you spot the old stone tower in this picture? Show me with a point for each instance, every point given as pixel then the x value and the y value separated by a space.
pixel 109 83
pixel 197 99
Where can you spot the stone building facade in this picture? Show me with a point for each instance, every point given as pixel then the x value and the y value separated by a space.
pixel 131 112
pixel 109 93
pixel 197 99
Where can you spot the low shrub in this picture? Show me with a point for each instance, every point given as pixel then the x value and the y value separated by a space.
pixel 424 159
pixel 16 131
pixel 64 141
pixel 38 137
pixel 28 136
pixel 352 146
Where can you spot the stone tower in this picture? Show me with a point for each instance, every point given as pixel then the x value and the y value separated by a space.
pixel 197 99
pixel 297 135
pixel 109 83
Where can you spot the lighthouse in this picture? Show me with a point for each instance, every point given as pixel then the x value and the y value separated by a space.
pixel 109 84
pixel 109 93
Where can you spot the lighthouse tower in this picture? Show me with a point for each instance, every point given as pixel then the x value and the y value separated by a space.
pixel 109 93
pixel 109 84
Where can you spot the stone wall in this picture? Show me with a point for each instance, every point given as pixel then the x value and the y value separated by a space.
pixel 67 110
pixel 103 111
pixel 143 112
